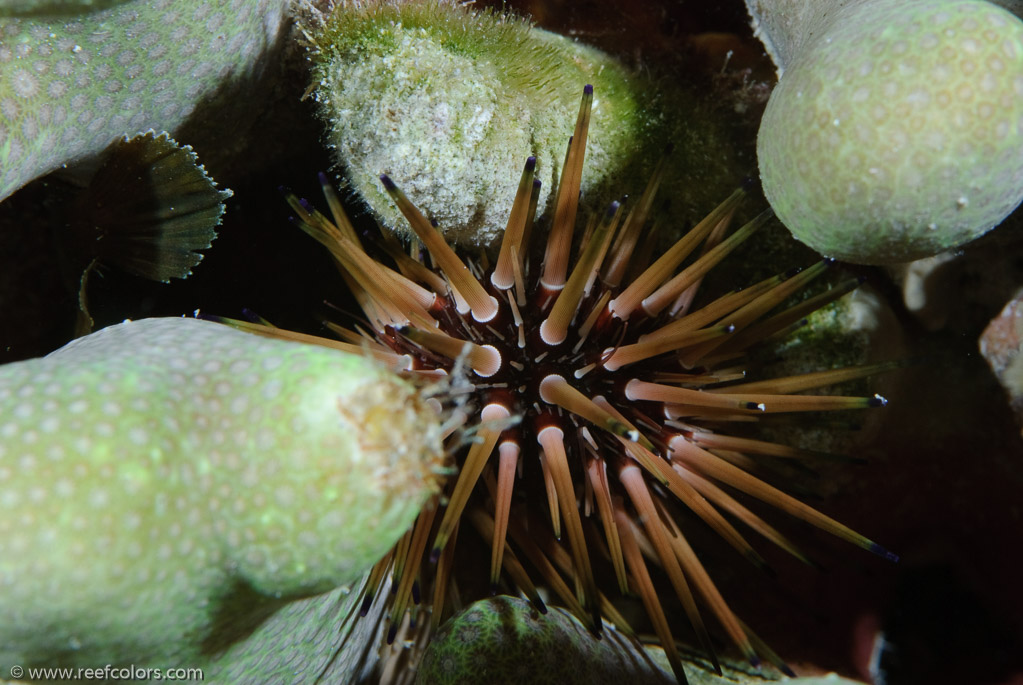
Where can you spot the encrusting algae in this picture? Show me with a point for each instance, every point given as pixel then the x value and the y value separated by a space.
pixel 444 99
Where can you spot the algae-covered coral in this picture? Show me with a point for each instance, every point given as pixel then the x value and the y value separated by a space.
pixel 486 642
pixel 445 100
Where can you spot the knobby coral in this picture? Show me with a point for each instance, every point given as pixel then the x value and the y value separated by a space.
pixel 156 471
pixel 896 130
pixel 70 87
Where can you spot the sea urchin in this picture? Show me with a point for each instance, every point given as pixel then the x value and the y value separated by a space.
pixel 599 389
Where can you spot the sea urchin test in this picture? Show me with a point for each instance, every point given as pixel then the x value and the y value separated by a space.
pixel 604 390
pixel 896 130
pixel 150 471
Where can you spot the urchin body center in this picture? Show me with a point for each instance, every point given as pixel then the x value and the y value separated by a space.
pixel 524 365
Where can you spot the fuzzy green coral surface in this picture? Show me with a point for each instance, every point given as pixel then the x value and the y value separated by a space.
pixel 70 87
pixel 449 102
pixel 29 8
pixel 897 133
pixel 506 640
pixel 158 472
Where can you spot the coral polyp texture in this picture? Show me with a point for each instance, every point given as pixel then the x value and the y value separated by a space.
pixel 445 99
pixel 155 469
pixel 603 392
pixel 70 86
pixel 33 8
pixel 486 642
pixel 896 130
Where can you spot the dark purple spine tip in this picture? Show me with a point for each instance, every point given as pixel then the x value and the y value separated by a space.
pixel 415 592
pixel 250 315
pixel 730 328
pixel 754 661
pixel 388 183
pixel 830 261
pixel 877 401
pixel 793 271
pixel 612 208
pixel 541 607
pixel 882 552
pixel 367 602
pixel 756 406
pixel 537 183
pixel 306 205
pixel 324 180
pixel 283 190
pixel 392 632
pixel 435 555
pixel 788 672
pixel 861 279
pixel 493 589
pixel 588 89
pixel 530 163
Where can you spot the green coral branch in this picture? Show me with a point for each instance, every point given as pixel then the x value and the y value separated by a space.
pixel 70 87
pixel 37 8
pixel 165 476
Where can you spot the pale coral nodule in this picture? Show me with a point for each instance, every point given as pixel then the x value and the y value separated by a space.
pixel 151 469
pixel 897 131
